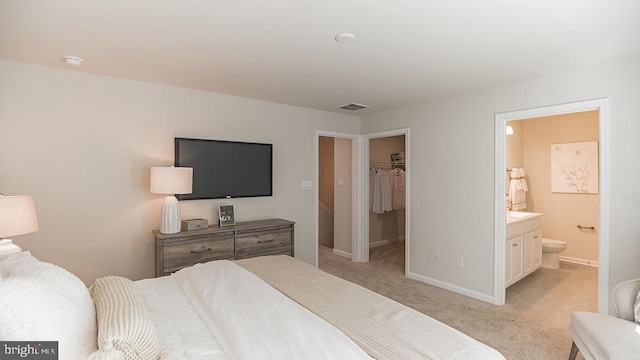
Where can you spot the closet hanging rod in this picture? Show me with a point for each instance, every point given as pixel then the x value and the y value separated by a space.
pixel 387 162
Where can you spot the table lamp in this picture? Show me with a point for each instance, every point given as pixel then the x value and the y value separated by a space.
pixel 17 217
pixel 171 181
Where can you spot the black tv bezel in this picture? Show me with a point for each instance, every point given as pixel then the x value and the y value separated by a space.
pixel 181 197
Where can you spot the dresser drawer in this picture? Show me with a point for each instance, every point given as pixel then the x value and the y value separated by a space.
pixel 287 250
pixel 180 253
pixel 239 241
pixel 264 242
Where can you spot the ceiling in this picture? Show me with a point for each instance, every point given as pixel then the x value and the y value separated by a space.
pixel 405 52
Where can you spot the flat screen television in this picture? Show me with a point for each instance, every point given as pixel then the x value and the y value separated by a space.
pixel 226 169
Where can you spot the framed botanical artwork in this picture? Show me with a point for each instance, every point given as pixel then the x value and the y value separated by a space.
pixel 574 168
pixel 227 216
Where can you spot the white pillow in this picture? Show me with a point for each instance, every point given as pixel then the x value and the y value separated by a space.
pixel 636 308
pixel 125 328
pixel 41 301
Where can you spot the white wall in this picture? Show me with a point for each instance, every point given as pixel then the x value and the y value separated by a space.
pixel 82 145
pixel 452 174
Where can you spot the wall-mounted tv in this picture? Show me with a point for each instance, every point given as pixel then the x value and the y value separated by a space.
pixel 226 169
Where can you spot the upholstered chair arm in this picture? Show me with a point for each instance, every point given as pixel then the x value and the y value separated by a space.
pixel 624 297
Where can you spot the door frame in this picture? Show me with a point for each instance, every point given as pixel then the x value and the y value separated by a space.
pixel 501 119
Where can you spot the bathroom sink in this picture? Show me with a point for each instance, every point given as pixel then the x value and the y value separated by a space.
pixel 519 214
pixel 513 216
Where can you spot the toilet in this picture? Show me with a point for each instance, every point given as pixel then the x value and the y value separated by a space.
pixel 550 250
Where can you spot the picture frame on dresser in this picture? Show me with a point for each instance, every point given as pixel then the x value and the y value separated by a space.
pixel 226 215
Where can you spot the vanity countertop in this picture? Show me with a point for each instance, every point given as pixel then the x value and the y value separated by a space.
pixel 519 216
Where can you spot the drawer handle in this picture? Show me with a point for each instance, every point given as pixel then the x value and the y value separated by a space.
pixel 204 249
pixel 514 245
pixel 264 241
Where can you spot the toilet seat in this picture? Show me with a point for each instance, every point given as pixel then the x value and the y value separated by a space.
pixel 553 244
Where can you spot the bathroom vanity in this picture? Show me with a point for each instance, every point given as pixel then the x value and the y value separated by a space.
pixel 523 250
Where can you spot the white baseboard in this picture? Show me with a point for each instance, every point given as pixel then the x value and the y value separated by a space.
pixel 579 261
pixel 378 243
pixel 443 285
pixel 342 253
pixel 385 242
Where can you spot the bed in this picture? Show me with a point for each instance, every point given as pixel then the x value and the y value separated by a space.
pixel 269 307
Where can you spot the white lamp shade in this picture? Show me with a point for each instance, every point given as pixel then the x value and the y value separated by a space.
pixel 171 180
pixel 17 215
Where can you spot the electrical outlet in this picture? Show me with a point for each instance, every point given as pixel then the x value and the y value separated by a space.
pixel 436 255
pixel 460 261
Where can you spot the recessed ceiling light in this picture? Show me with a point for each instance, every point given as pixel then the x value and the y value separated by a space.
pixel 73 60
pixel 345 38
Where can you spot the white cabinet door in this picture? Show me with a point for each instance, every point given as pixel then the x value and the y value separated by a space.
pixel 532 251
pixel 517 251
pixel 508 263
pixel 514 269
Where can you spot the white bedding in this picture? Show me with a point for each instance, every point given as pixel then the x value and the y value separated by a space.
pixel 182 333
pixel 385 329
pixel 245 317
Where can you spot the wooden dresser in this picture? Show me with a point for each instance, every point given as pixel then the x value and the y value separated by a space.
pixel 242 240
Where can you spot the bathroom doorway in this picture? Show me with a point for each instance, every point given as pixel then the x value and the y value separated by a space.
pixel 538 129
pixel 567 229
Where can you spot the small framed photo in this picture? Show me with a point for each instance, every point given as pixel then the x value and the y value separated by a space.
pixel 227 216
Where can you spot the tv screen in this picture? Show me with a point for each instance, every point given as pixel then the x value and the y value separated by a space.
pixel 225 169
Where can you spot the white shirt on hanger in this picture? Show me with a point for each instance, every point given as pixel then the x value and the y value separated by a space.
pixel 379 192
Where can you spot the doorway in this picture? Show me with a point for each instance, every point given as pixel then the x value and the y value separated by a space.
pixel 385 151
pixel 335 210
pixel 387 211
pixel 600 106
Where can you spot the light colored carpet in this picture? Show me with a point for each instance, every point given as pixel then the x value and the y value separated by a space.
pixel 534 324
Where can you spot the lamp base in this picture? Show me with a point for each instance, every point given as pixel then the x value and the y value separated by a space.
pixel 170 220
pixel 8 248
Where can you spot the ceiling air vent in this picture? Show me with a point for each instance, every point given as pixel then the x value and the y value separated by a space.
pixel 353 107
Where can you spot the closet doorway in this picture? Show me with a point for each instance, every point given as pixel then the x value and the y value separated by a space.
pixel 387 197
pixel 387 178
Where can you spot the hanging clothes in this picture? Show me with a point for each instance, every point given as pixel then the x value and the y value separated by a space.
pixel 379 191
pixel 397 179
pixel 517 196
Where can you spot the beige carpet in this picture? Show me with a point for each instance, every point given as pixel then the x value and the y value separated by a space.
pixel 534 324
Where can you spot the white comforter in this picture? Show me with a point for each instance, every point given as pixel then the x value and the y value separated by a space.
pixel 243 316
